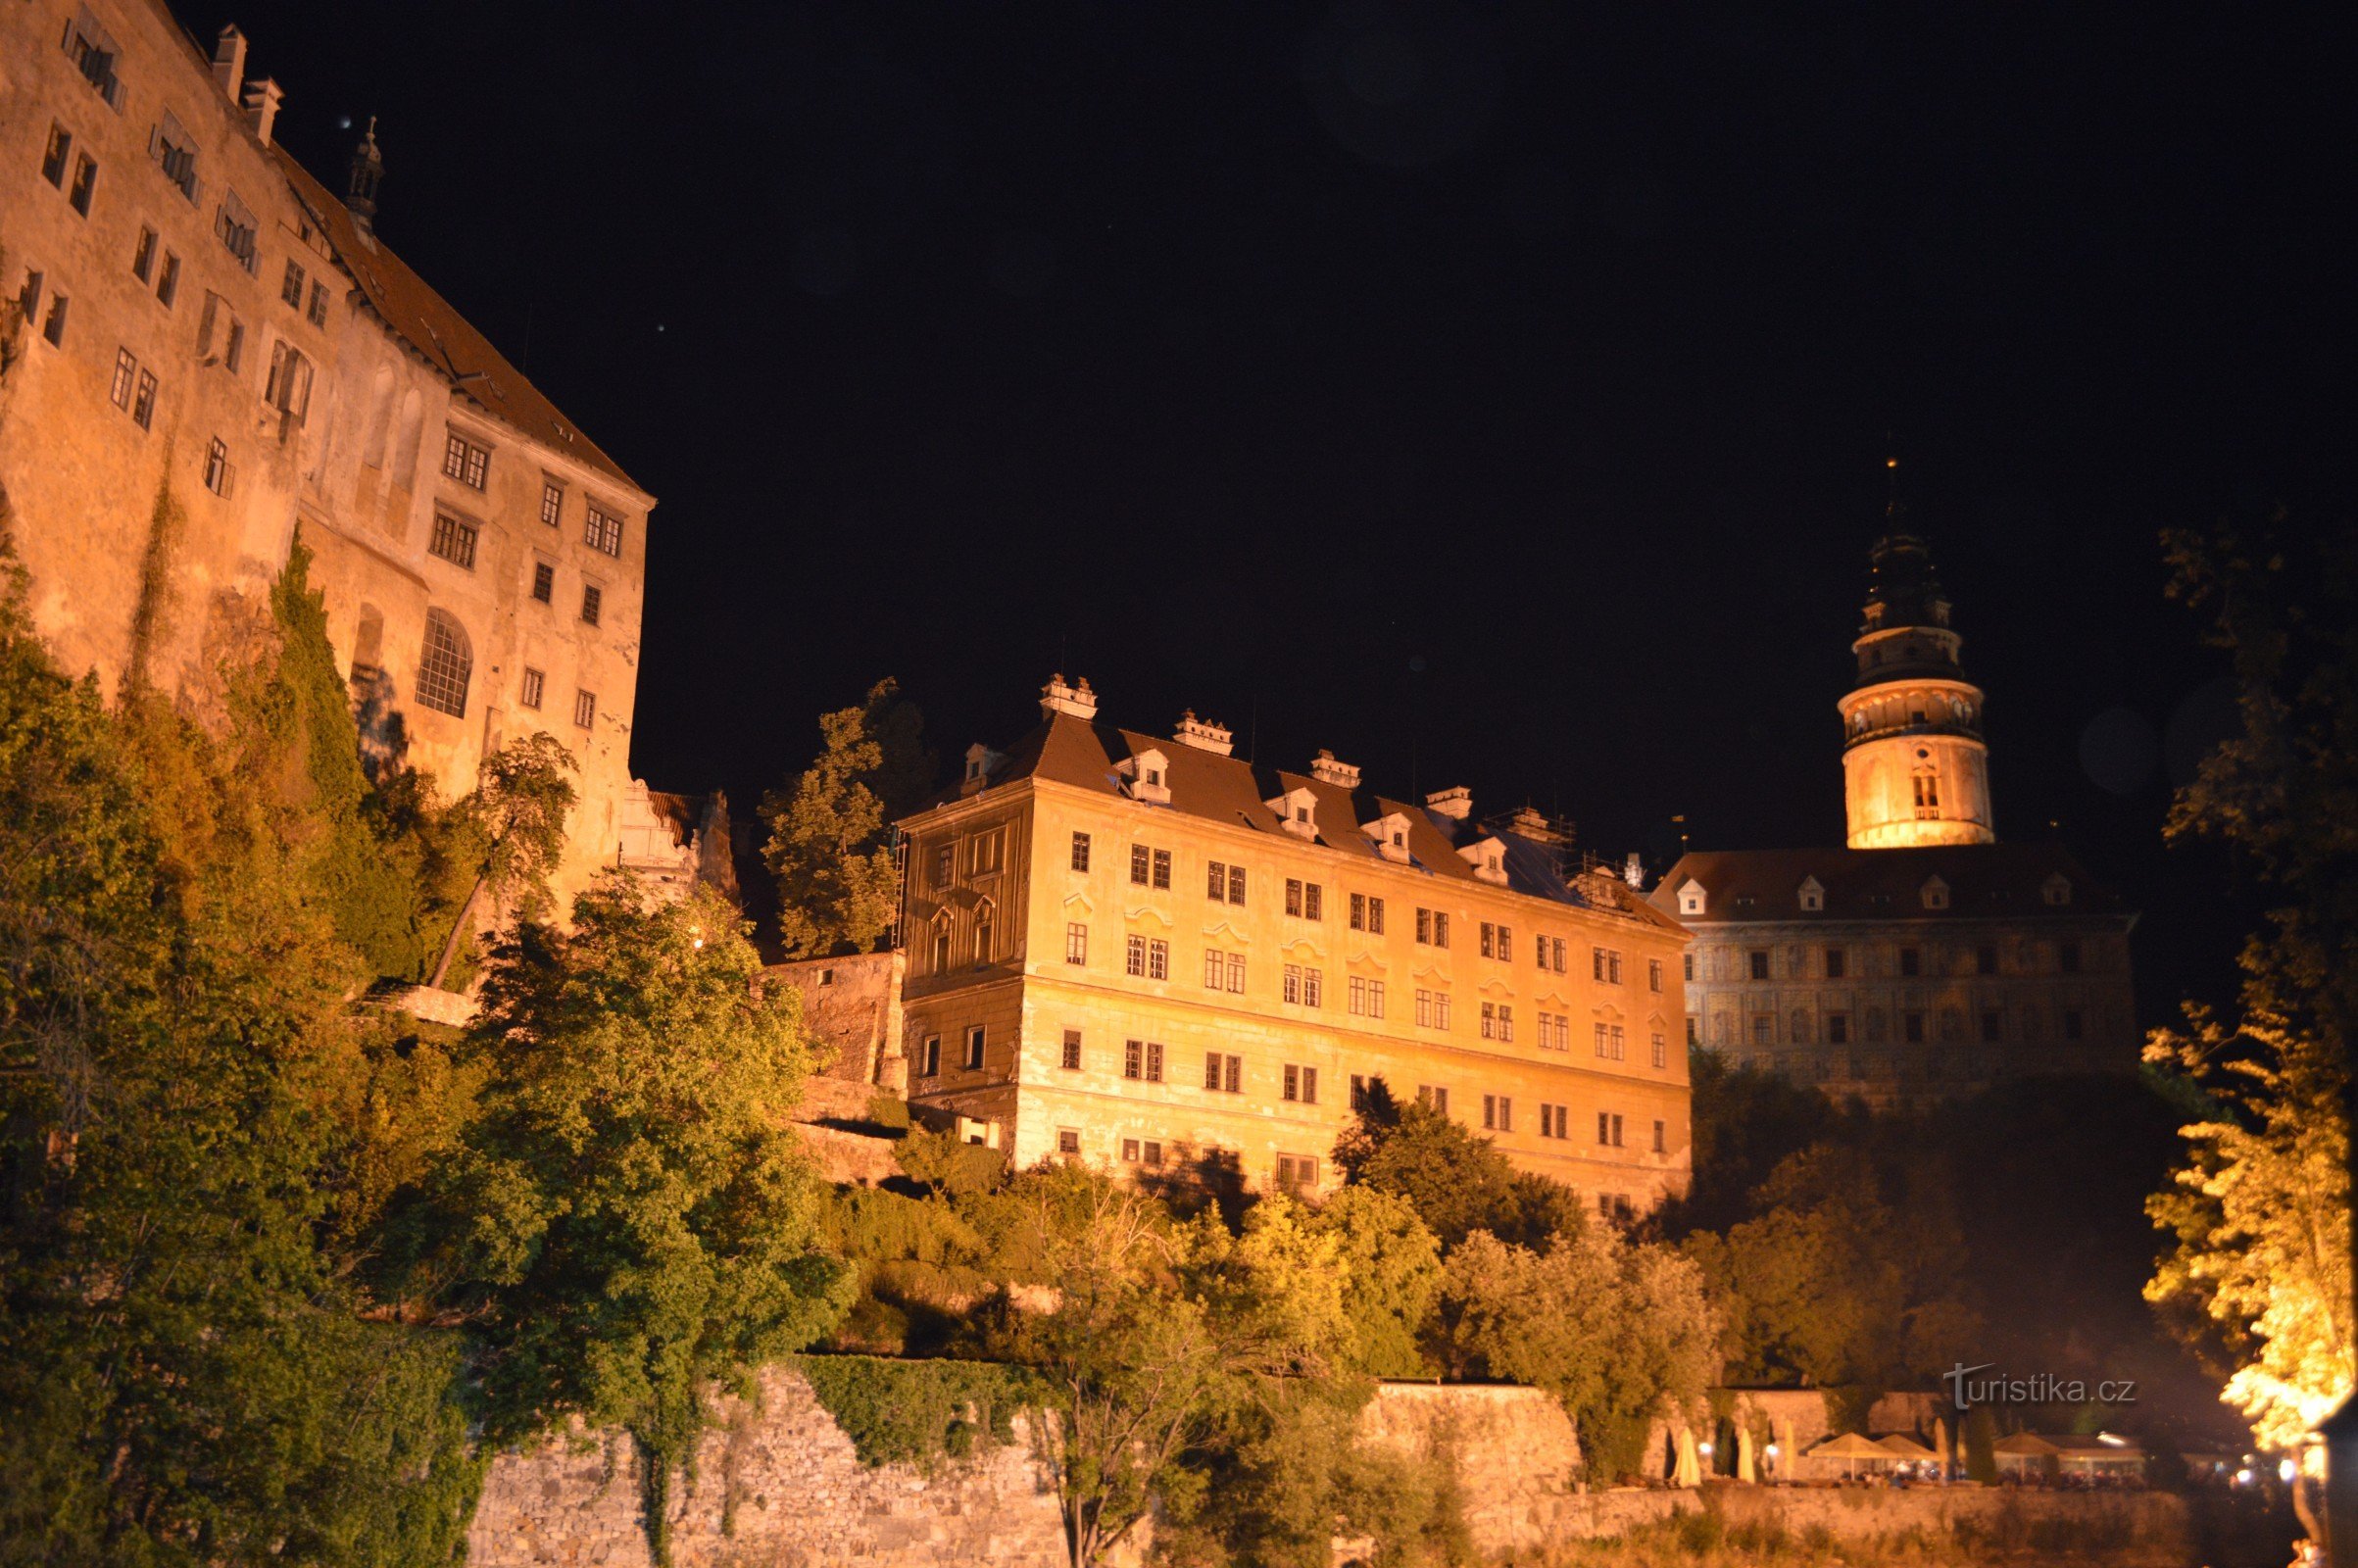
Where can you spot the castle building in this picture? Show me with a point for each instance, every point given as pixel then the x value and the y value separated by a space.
pixel 204 354
pixel 1152 952
pixel 1923 959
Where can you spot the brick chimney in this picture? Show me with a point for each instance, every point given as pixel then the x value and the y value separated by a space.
pixel 1455 802
pixel 230 63
pixel 1326 770
pixel 1204 735
pixel 262 107
pixel 1077 700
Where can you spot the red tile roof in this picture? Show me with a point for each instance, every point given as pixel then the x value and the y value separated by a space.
pixel 1985 881
pixel 435 330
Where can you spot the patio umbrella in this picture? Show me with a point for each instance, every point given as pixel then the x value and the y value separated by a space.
pixel 1941 1443
pixel 1852 1450
pixel 1690 1472
pixel 1746 1469
pixel 1899 1445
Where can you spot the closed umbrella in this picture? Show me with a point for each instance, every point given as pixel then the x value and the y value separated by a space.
pixel 1747 1470
pixel 1690 1471
pixel 1941 1443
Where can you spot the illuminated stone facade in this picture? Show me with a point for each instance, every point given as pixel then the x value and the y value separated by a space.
pixel 202 352
pixel 1923 959
pixel 1148 952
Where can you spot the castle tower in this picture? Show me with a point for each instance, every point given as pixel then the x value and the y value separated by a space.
pixel 1915 769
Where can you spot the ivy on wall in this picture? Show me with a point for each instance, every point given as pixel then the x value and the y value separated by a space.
pixel 918 1412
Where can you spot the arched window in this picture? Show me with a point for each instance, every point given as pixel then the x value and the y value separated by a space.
pixel 940 942
pixel 982 932
pixel 443 666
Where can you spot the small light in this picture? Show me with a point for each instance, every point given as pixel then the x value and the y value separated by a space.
pixel 1772 1451
pixel 1703 1449
pixel 2244 1478
pixel 2285 1470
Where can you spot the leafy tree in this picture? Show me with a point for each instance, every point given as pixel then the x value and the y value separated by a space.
pixel 1391 1277
pixel 1618 1331
pixel 517 811
pixel 829 841
pixel 630 1217
pixel 1746 1121
pixel 185 1375
pixel 2259 1210
pixel 1155 1340
pixel 1454 1179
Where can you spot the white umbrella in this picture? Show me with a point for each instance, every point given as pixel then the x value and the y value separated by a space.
pixel 1746 1469
pixel 1690 1472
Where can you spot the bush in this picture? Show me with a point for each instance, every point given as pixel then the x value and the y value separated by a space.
pixel 918 1412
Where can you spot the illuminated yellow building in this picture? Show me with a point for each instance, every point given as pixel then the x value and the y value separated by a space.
pixel 1915 769
pixel 1153 954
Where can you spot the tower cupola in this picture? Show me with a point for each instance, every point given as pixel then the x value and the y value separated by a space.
pixel 1915 767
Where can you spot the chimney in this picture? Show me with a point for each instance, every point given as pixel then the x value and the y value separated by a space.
pixel 1455 802
pixel 1204 735
pixel 230 62
pixel 262 107
pixel 360 180
pixel 1326 770
pixel 1058 698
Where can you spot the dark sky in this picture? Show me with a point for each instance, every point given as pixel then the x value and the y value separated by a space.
pixel 1494 395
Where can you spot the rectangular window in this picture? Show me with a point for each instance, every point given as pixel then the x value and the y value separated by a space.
pixel 1695 1030
pixel 1068 1143
pixel 1291 982
pixel 126 377
pixel 1215 880
pixel 2067 957
pixel 1985 960
pixel 1608 1129
pixel 1076 942
pixel 466 462
pixel 453 539
pixel 1653 975
pixel 1432 927
pixel 1911 963
pixel 1138 865
pixel 221 476
pixel 1912 1027
pixel 1994 1028
pixel 974 1049
pixel 1158 958
pixel 601 530
pixel 932 1063
pixel 1297 1173
pixel 585 709
pixel 1837 1028
pixel 544 581
pixel 319 305
pixel 143 400
pixel 143 256
pixel 1497 942
pixel 1759 962
pixel 290 288
pixel 945 862
pixel 1661 1138
pixel 1293 895
pixel 1313 901
pixel 552 502
pixel 593 603
pixel 55 156
pixel 1837 963
pixel 1216 969
pixel 1235 973
pixel 1162 868
pixel 1555 1121
pixel 1072 1051
pixel 1366 998
pixel 534 684
pixel 1687 960
pixel 1133 956
pixel 234 346
pixel 85 181
pixel 1130 1151
pixel 1224 1074
pixel 168 282
pixel 1080 852
pixel 1302 1084
pixel 1498 1113
pixel 1432 1009
pixel 1236 884
pixel 1433 1096
pixel 1134 1058
pixel 1617 1046
pixel 1662 1047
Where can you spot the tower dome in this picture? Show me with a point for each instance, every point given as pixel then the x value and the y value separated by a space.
pixel 1915 767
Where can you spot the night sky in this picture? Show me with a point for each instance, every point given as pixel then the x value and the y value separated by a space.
pixel 1494 395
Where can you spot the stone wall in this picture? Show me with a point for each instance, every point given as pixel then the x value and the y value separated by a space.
pixel 2129 1526
pixel 778 1487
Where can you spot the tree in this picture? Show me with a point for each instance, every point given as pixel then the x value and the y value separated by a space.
pixel 1454 1179
pixel 1392 1273
pixel 1155 1341
pixel 830 844
pixel 517 811
pixel 629 1217
pixel 1619 1332
pixel 2259 1209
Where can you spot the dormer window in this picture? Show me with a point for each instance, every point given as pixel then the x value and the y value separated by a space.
pixel 1691 897
pixel 980 760
pixel 1390 835
pixel 1813 895
pixel 1488 857
pixel 1149 773
pixel 2056 890
pixel 1297 811
pixel 1935 893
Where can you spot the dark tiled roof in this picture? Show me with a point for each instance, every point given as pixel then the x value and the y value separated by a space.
pixel 438 334
pixel 1070 751
pixel 1984 880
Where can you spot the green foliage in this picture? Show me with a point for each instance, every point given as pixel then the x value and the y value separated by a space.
pixel 888 1110
pixel 829 842
pixel 1619 1332
pixel 629 1218
pixel 187 1379
pixel 1453 1178
pixel 1392 1278
pixel 515 817
pixel 1747 1121
pixel 918 1412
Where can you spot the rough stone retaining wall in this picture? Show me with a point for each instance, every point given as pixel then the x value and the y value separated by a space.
pixel 781 1489
pixel 2133 1526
